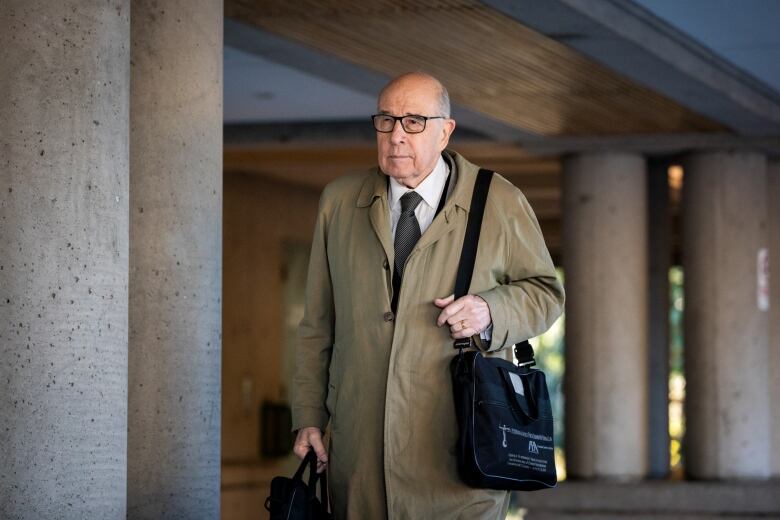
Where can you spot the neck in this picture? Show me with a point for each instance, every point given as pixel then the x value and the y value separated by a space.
pixel 413 183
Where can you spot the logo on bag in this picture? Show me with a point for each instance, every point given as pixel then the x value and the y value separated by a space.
pixel 504 428
pixel 532 447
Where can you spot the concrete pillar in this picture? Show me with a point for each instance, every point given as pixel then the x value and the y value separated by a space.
pixel 773 176
pixel 659 254
pixel 605 266
pixel 64 92
pixel 175 259
pixel 726 351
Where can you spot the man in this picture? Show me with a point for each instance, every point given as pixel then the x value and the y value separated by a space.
pixel 376 338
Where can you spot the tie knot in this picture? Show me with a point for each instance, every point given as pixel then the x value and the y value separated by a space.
pixel 410 200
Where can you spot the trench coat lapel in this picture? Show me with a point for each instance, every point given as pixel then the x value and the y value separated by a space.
pixel 455 212
pixel 373 196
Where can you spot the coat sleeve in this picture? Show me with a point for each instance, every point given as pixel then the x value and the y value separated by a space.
pixel 529 297
pixel 315 335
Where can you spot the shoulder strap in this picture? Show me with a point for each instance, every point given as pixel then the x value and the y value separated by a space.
pixel 469 252
pixel 468 255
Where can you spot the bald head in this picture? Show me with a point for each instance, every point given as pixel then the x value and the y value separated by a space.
pixel 420 82
pixel 409 156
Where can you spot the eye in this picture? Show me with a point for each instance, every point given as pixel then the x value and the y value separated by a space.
pixel 414 122
pixel 384 119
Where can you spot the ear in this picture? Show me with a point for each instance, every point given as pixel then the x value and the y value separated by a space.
pixel 447 128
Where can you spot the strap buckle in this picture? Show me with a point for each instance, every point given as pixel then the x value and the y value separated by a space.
pixel 462 343
pixel 524 353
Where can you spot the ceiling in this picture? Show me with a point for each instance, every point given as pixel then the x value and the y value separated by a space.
pixel 490 63
pixel 540 83
pixel 744 32
pixel 529 79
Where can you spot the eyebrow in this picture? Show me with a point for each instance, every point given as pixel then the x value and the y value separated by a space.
pixel 386 112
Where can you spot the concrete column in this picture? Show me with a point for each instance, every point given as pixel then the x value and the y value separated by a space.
pixel 605 266
pixel 659 254
pixel 175 259
pixel 773 176
pixel 64 92
pixel 726 351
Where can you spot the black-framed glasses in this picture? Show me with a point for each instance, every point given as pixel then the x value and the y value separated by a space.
pixel 412 124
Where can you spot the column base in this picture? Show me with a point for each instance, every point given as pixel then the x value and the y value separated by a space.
pixel 651 500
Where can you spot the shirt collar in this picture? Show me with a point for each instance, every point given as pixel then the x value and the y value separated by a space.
pixel 429 189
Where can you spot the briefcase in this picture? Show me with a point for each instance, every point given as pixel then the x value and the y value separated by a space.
pixel 505 423
pixel 292 499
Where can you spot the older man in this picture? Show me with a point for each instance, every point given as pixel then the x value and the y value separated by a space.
pixel 376 338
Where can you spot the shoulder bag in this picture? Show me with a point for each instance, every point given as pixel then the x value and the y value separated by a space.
pixel 503 410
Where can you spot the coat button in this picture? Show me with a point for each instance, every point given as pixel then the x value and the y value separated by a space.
pixel 388 316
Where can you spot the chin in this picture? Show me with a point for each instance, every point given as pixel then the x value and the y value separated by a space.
pixel 398 173
pixel 403 176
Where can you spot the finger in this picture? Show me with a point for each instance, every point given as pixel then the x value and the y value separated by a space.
pixel 301 445
pixel 461 309
pixel 300 450
pixel 464 333
pixel 443 302
pixel 459 325
pixel 448 312
pixel 315 438
pixel 474 312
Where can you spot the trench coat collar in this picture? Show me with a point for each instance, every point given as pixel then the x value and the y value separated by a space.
pixel 373 195
pixel 375 186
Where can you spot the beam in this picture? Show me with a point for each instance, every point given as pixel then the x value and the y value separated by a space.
pixel 634 42
pixel 256 41
pixel 656 144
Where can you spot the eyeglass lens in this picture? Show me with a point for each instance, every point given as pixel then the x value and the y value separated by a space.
pixel 411 124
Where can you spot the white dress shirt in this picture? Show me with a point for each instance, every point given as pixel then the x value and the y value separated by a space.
pixel 431 189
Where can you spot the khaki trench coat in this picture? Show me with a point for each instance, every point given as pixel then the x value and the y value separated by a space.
pixel 382 380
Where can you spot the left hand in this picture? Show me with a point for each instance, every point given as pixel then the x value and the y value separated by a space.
pixel 466 316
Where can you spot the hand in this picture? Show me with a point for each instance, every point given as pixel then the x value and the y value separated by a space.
pixel 467 316
pixel 311 437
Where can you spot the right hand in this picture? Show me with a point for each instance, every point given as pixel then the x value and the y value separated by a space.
pixel 311 437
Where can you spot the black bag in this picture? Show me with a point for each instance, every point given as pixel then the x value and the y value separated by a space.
pixel 291 499
pixel 503 411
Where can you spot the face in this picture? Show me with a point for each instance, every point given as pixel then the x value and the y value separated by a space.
pixel 409 158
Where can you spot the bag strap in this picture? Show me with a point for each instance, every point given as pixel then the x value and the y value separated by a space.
pixel 469 252
pixel 311 458
pixel 324 491
pixel 468 255
pixel 298 476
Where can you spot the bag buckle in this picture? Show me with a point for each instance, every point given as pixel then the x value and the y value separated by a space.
pixel 462 343
pixel 524 354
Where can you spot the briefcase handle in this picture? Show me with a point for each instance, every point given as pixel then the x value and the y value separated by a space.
pixel 311 460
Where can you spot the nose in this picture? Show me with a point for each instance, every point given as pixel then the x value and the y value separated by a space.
pixel 398 135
